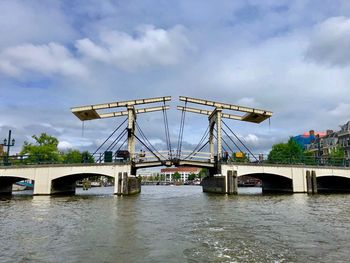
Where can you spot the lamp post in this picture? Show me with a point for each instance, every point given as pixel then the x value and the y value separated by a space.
pixel 9 143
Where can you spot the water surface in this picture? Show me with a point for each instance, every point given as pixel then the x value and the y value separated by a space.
pixel 174 224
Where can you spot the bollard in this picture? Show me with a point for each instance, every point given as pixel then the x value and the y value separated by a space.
pixel 235 183
pixel 229 182
pixel 119 182
pixel 308 182
pixel 314 182
pixel 125 184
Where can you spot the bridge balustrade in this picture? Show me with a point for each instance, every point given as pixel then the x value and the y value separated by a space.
pixel 145 157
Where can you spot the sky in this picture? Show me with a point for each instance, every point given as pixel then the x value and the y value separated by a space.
pixel 288 57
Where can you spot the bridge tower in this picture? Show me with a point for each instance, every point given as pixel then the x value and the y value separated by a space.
pixel 215 121
pixel 215 118
pixel 98 111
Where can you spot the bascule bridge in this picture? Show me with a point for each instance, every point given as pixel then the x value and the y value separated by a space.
pixel 211 160
pixel 116 157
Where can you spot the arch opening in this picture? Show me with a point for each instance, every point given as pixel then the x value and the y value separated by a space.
pixel 68 184
pixel 333 184
pixel 7 182
pixel 273 183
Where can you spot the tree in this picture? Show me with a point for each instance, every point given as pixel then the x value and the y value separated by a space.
pixel 44 149
pixel 336 156
pixel 239 158
pixel 176 176
pixel 191 177
pixel 310 158
pixel 286 153
pixel 75 156
pixel 202 173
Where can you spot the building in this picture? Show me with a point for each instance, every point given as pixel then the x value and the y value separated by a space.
pixel 308 137
pixel 323 146
pixel 148 175
pixel 344 139
pixel 168 173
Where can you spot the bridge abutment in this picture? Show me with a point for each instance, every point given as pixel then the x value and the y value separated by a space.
pixel 221 184
pixel 311 182
pixel 126 185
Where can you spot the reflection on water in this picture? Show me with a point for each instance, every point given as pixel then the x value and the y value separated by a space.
pixel 174 224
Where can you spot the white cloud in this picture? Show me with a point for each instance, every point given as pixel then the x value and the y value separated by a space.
pixel 251 138
pixel 151 46
pixel 329 43
pixel 47 59
pixel 341 112
pixel 248 102
pixel 64 145
pixel 33 22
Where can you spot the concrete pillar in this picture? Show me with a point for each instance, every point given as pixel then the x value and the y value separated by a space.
pixel 218 133
pixel 125 184
pixel 42 181
pixel 298 177
pixel 131 130
pixel 231 182
pixel 235 183
pixel 308 182
pixel 314 182
pixel 211 141
pixel 118 183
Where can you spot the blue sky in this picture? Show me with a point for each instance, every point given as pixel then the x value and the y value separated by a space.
pixel 290 57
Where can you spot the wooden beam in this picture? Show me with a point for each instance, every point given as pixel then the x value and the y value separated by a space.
pixel 137 111
pixel 120 104
pixel 225 105
pixel 208 113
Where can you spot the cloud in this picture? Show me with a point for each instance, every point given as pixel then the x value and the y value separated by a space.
pixel 47 59
pixel 248 101
pixel 341 112
pixel 34 22
pixel 64 145
pixel 256 54
pixel 329 43
pixel 150 46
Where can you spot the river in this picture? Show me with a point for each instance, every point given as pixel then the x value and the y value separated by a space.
pixel 174 224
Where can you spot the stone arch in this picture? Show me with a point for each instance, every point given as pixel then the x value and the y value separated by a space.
pixel 66 184
pixel 7 181
pixel 333 183
pixel 273 182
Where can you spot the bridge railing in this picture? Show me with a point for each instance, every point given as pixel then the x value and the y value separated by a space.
pixel 290 160
pixel 60 158
pixel 145 156
pixel 195 156
pixel 64 158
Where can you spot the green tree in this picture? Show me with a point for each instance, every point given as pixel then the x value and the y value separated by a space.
pixel 202 173
pixel 176 176
pixel 286 153
pixel 75 156
pixel 309 158
pixel 336 156
pixel 43 150
pixel 239 159
pixel 191 177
